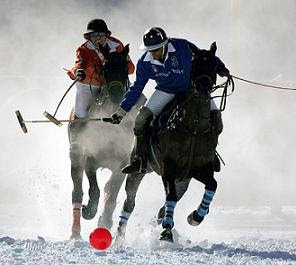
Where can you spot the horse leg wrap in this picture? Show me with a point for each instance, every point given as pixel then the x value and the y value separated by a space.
pixel 203 208
pixel 168 220
pixel 123 217
pixel 76 227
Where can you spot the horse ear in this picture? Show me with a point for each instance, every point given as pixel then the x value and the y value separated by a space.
pixel 126 50
pixel 213 48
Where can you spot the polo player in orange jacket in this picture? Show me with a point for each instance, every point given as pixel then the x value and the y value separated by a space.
pixel 90 58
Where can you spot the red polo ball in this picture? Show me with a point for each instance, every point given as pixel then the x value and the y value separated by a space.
pixel 100 238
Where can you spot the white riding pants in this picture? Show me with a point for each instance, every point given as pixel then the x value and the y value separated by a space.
pixel 84 98
pixel 159 99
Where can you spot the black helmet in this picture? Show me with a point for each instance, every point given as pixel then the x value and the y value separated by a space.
pixel 154 38
pixel 97 25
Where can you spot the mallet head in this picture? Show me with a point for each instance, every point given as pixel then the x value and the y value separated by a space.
pixel 21 121
pixel 53 119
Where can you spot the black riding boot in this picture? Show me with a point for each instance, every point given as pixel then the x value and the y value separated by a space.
pixel 139 162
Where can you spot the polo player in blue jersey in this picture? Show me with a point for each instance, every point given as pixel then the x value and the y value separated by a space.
pixel 168 62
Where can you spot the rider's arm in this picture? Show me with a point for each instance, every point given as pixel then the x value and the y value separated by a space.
pixel 80 62
pixel 134 92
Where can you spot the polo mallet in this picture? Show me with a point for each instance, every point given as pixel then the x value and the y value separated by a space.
pixel 52 117
pixel 23 122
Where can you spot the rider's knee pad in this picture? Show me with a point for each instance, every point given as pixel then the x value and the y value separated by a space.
pixel 143 119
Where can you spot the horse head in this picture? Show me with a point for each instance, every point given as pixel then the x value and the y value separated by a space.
pixel 204 68
pixel 196 108
pixel 116 74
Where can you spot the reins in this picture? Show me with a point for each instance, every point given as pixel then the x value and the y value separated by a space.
pixel 262 84
pixel 225 94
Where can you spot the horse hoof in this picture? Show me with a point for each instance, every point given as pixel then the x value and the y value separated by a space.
pixel 75 236
pixel 194 219
pixel 120 237
pixel 166 235
pixel 88 213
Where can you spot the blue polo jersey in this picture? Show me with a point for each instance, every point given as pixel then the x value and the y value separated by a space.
pixel 172 76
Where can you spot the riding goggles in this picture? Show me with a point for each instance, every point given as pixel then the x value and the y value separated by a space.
pixel 97 34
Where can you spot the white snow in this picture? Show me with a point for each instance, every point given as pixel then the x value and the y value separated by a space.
pixel 243 236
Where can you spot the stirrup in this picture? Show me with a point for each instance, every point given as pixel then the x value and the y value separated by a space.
pixel 136 166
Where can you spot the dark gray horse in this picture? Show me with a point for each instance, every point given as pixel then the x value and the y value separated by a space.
pixel 101 145
pixel 184 147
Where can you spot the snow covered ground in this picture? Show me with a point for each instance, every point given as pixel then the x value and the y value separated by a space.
pixel 229 236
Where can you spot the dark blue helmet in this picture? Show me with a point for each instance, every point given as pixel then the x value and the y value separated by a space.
pixel 154 38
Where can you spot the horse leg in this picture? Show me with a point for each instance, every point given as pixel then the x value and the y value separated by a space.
pixel 77 194
pixel 181 188
pixel 131 187
pixel 207 178
pixel 89 211
pixel 77 161
pixel 111 191
pixel 170 204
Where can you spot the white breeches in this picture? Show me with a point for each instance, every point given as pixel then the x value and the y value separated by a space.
pixel 159 99
pixel 84 98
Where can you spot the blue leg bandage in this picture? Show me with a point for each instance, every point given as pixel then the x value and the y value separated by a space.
pixel 169 214
pixel 203 208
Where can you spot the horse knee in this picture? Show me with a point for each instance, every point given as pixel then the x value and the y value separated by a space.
pixel 143 119
pixel 211 184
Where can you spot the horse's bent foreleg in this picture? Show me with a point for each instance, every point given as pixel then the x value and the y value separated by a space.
pixel 111 191
pixel 207 178
pixel 89 211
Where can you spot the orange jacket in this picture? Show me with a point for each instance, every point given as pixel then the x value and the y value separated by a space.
pixel 91 61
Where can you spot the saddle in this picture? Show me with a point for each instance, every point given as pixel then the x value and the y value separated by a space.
pixel 162 120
